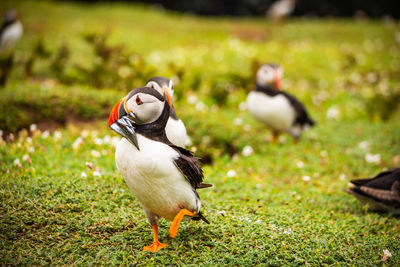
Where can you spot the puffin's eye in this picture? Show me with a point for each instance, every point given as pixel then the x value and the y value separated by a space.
pixel 138 100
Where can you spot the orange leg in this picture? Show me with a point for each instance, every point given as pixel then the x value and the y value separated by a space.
pixel 157 245
pixel 173 230
pixel 275 137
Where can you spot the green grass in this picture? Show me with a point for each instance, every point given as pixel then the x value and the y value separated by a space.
pixel 51 214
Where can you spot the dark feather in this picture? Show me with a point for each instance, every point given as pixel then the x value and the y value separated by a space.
pixel 383 180
pixel 383 188
pixel 189 166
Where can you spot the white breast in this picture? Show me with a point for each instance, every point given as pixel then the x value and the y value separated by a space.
pixel 176 133
pixel 10 36
pixel 274 111
pixel 153 178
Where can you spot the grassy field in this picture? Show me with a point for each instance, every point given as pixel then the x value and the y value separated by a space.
pixel 63 202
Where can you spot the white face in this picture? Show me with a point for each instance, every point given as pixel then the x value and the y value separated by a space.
pixel 267 75
pixel 147 108
pixel 156 86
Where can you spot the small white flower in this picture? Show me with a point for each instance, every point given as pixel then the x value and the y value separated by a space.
pixel 45 134
pixel 97 173
pixel 238 121
pixel 28 139
pixel 258 222
pixel 373 158
pixel 387 253
pixel 83 174
pixel 17 162
pixel 306 178
pixel 247 127
pixel 57 135
pixel 84 133
pixel 122 190
pixel 33 127
pixel 247 151
pixel 192 99
pixel 98 141
pixel 364 145
pixel 288 231
pixel 332 113
pixel 31 149
pixel 200 106
pixel 231 173
pixel 323 153
pixel 342 176
pixel 299 164
pixel 106 139
pixel 243 106
pixel 95 153
pixel 25 157
pixel 77 143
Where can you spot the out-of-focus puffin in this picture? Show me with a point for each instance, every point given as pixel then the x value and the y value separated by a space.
pixel 10 32
pixel 381 193
pixel 281 9
pixel 175 129
pixel 163 176
pixel 278 110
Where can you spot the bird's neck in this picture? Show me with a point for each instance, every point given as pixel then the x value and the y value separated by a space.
pixel 267 89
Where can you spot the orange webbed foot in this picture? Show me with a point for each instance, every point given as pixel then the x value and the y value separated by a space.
pixel 173 230
pixel 156 246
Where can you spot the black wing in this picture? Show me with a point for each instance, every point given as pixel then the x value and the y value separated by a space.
pixel 189 166
pixel 302 116
pixel 383 180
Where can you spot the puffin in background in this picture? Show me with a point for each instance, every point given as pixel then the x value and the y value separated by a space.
pixel 381 193
pixel 164 177
pixel 175 129
pixel 278 110
pixel 281 9
pixel 10 32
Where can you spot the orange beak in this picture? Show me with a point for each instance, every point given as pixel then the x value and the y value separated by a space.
pixel 277 81
pixel 118 109
pixel 167 95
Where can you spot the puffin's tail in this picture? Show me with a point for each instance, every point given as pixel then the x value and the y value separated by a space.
pixel 199 216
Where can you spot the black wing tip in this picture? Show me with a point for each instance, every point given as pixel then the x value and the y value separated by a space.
pixel 203 218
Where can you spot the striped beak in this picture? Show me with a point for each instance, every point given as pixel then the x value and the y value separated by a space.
pixel 121 121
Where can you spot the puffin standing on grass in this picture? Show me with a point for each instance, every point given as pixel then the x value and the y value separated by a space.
pixel 175 129
pixel 381 193
pixel 163 176
pixel 278 110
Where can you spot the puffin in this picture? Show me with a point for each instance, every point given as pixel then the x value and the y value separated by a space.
pixel 278 110
pixel 164 177
pixel 381 192
pixel 281 9
pixel 10 32
pixel 175 129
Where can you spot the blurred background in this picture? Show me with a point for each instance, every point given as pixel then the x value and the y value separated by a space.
pixel 64 64
pixel 309 8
